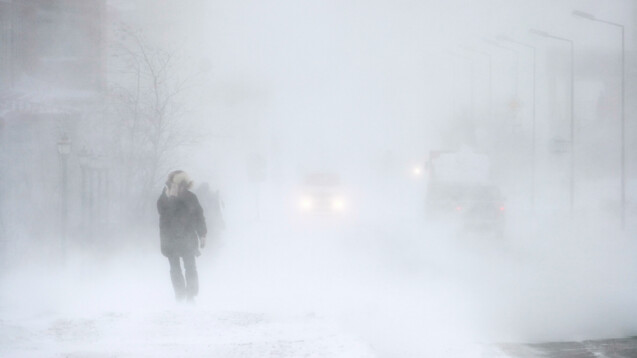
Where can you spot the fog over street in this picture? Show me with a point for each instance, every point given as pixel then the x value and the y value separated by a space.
pixel 369 179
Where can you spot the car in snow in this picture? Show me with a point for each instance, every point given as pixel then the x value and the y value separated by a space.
pixel 459 187
pixel 321 193
pixel 477 208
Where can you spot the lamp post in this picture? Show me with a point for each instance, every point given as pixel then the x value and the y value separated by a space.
pixel 590 17
pixel 94 191
pixel 532 48
pixel 64 149
pixel 572 121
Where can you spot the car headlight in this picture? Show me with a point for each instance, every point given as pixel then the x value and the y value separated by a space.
pixel 338 204
pixel 306 203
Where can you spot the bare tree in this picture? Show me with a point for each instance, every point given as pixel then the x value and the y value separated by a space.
pixel 147 101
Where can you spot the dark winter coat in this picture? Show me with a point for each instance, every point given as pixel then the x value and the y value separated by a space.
pixel 181 222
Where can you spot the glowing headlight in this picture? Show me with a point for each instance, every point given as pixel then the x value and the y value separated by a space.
pixel 338 204
pixel 417 171
pixel 306 203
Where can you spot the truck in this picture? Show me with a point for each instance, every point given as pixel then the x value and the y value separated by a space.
pixel 459 187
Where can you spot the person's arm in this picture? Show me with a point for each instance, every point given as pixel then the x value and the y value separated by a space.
pixel 160 203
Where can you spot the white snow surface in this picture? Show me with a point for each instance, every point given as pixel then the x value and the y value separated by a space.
pixel 178 332
pixel 326 289
pixel 85 313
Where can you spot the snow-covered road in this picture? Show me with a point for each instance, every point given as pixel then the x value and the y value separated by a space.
pixel 261 296
pixel 177 332
pixel 337 291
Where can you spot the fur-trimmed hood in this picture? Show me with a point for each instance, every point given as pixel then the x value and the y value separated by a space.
pixel 177 182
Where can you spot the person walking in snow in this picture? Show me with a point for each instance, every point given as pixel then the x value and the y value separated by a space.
pixel 182 231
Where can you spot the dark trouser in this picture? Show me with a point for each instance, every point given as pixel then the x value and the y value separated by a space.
pixel 189 287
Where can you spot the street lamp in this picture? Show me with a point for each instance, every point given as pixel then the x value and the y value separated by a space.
pixel 590 17
pixel 64 145
pixel 64 149
pixel 572 124
pixel 532 48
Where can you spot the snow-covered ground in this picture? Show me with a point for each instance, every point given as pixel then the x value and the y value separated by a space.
pixel 176 332
pixel 358 288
